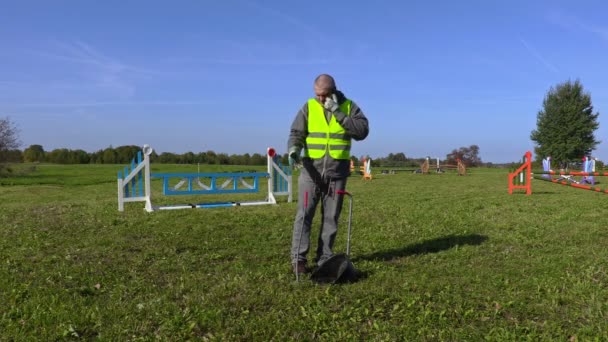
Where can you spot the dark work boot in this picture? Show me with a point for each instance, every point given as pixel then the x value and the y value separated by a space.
pixel 299 267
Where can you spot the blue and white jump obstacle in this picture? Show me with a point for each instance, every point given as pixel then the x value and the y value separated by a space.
pixel 587 172
pixel 134 183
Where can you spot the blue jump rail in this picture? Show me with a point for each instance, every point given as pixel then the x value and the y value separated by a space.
pixel 280 183
pixel 214 188
pixel 134 188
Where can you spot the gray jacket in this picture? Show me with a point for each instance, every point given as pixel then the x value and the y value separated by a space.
pixel 356 126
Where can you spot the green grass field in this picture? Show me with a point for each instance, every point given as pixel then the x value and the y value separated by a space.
pixel 443 257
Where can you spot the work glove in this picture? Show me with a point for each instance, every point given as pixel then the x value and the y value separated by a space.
pixel 331 103
pixel 294 156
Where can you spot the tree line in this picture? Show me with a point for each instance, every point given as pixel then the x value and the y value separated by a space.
pixel 124 155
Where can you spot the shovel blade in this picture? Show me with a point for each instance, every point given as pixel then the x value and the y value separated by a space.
pixel 337 269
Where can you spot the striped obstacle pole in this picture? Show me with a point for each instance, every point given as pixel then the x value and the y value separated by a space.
pixel 589 167
pixel 571 173
pixel 547 167
pixel 576 185
pixel 588 172
pixel 279 178
pixel 520 178
pixel 546 173
pixel 367 169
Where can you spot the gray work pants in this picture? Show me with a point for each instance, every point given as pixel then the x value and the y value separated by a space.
pixel 323 191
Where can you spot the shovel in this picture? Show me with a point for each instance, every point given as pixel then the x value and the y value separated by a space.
pixel 338 268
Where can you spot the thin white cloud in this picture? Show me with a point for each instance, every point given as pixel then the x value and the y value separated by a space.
pixel 500 100
pixel 260 62
pixel 92 67
pixel 573 23
pixel 289 19
pixel 272 52
pixel 95 69
pixel 85 53
pixel 80 53
pixel 107 103
pixel 602 32
pixel 14 84
pixel 538 56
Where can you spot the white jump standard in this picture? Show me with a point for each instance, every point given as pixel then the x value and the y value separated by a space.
pixel 135 185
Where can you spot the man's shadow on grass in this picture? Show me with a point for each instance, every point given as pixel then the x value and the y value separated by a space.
pixel 426 247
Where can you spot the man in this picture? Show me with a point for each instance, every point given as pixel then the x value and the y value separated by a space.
pixel 323 129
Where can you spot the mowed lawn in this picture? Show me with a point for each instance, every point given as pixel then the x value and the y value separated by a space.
pixel 443 257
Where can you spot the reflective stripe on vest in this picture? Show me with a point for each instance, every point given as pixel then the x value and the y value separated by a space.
pixel 323 137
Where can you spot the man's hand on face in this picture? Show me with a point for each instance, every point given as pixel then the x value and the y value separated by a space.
pixel 331 103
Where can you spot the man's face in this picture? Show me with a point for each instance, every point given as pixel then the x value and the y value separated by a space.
pixel 323 89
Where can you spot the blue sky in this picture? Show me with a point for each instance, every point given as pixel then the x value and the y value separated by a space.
pixel 230 76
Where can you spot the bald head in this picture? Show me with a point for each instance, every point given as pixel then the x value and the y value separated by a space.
pixel 325 85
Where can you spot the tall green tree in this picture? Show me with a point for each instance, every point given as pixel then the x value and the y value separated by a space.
pixel 59 156
pixel 565 126
pixel 109 156
pixel 468 155
pixel 9 142
pixel 34 153
pixel 9 137
pixel 124 154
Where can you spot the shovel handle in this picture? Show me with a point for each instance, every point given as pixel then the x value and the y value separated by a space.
pixel 350 217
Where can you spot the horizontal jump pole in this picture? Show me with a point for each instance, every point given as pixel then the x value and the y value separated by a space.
pixel 572 173
pixel 209 205
pixel 213 187
pixel 219 175
pixel 574 185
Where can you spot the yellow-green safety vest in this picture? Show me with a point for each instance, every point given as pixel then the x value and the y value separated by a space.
pixel 323 136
